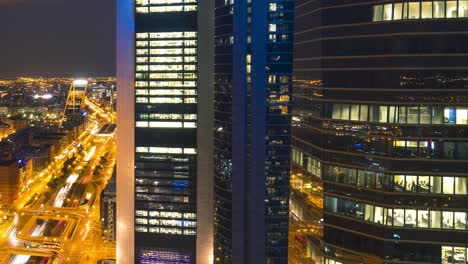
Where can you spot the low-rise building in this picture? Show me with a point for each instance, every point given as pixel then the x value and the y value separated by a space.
pixel 10 181
pixel 109 210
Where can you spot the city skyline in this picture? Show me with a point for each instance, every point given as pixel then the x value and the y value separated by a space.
pixel 234 132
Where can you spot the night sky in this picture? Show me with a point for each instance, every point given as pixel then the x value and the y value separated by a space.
pixel 64 38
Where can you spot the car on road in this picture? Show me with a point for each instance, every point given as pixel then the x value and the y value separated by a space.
pixel 52 245
pixel 32 245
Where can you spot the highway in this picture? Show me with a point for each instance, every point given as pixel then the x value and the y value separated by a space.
pixel 56 218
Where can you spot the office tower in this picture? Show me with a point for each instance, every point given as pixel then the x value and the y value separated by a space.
pixel 381 121
pixel 253 67
pixel 164 85
pixel 108 211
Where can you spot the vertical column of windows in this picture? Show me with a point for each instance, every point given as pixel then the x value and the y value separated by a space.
pixel 166 73
pixel 223 132
pixel 277 164
pixel 165 77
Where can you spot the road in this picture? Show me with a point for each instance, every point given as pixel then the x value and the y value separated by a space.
pixel 56 218
pixel 306 218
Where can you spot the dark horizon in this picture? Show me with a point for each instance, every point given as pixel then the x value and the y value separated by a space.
pixel 57 38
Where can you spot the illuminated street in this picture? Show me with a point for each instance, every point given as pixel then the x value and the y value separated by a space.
pixel 56 218
pixel 306 204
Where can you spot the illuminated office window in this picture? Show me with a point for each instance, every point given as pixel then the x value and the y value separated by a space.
pixel 388 11
pixel 451 8
pixel 398 217
pixel 378 13
pixel 397 11
pixel 439 9
pixel 152 6
pixel 419 10
pixel 413 11
pixel 463 8
pixel 426 10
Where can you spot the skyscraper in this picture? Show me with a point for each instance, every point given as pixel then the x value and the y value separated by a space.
pixel 253 67
pixel 164 181
pixel 381 115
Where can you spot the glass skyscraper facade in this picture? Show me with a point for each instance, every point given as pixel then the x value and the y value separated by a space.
pixel 253 67
pixel 380 126
pixel 165 128
pixel 162 88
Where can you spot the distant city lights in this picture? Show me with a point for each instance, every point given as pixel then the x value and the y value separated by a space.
pixel 44 96
pixel 80 82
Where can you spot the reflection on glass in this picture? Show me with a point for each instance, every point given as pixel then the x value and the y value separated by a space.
pixel 405 10
pixel 437 115
pixel 413 115
pixel 344 112
pixel 436 184
pixel 410 218
pixel 379 215
pixel 399 183
pixel 369 213
pixel 370 179
pixel 383 181
pixel 460 185
pixel 389 216
pixel 451 9
pixel 463 8
pixel 392 114
pixel 359 210
pixel 449 184
pixel 416 10
pixel 459 255
pixel 398 217
pixel 449 115
pixel 423 219
pixel 413 12
pixel 378 11
pixel 397 11
pixel 435 219
pixel 354 112
pixel 423 184
pixel 411 185
pixel 336 112
pixel 447 220
pixel 424 115
pixel 447 255
pixel 383 114
pixel 462 116
pixel 361 178
pixel 426 10
pixel 439 9
pixel 364 112
pixel 460 220
pixel 352 176
pixel 387 12
pixel 402 115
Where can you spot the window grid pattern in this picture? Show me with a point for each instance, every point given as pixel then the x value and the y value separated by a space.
pixel 392 114
pixel 421 10
pixel 165 96
pixel 277 162
pixel 164 6
pixel 398 217
pixel 454 255
pixel 156 256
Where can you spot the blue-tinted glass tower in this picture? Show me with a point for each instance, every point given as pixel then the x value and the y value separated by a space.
pixel 253 65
